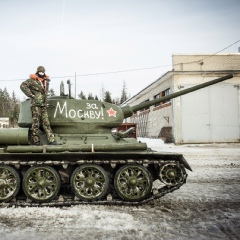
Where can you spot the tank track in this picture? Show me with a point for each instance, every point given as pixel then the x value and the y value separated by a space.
pixel 65 200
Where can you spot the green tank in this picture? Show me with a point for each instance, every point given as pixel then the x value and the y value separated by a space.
pixel 92 164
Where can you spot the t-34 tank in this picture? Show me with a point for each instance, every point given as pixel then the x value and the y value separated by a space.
pixel 92 164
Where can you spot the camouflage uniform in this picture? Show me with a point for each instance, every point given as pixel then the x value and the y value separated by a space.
pixel 36 88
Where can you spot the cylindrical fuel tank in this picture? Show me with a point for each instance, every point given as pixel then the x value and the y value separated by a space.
pixel 77 148
pixel 14 136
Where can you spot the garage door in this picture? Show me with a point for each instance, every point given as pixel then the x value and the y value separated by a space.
pixel 211 115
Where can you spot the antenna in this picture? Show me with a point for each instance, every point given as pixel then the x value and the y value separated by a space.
pixel 62 89
pixel 69 88
pixel 75 85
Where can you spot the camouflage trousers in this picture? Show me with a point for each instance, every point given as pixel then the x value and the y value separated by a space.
pixel 40 117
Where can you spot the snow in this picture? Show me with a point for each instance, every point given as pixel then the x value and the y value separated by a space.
pixel 206 207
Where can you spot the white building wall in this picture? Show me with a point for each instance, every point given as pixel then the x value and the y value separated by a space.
pixel 202 105
pixel 4 122
pixel 196 69
pixel 158 116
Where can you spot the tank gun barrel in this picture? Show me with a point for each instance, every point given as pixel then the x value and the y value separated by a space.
pixel 128 111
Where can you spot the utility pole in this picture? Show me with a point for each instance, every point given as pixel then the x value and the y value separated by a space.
pixel 75 86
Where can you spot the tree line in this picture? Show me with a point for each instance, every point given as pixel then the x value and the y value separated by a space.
pixel 107 96
pixel 10 105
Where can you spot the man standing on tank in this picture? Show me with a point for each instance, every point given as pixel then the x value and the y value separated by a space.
pixel 36 88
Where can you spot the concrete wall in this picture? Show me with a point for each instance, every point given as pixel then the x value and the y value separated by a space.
pixel 206 62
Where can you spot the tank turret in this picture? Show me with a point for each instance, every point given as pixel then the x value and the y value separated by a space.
pixel 91 164
pixel 68 115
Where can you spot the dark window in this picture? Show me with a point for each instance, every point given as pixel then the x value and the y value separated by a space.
pixel 165 93
pixel 160 95
pixel 156 97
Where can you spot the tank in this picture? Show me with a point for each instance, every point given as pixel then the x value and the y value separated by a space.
pixel 92 164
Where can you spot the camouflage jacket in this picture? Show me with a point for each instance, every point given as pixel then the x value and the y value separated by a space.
pixel 36 89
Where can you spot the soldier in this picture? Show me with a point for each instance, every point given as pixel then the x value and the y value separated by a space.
pixel 36 88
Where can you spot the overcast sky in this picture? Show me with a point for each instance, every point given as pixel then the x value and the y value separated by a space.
pixel 93 36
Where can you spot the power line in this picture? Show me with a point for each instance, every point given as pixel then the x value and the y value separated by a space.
pixel 201 60
pixel 132 70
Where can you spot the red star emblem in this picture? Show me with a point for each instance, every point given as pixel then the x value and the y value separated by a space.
pixel 111 112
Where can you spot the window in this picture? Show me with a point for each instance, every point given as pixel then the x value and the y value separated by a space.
pixel 160 95
pixel 165 93
pixel 156 97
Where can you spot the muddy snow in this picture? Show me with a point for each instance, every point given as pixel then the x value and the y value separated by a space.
pixel 206 207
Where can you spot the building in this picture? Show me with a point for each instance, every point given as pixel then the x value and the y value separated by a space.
pixel 207 115
pixel 4 122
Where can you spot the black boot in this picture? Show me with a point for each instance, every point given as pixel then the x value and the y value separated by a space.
pixel 37 143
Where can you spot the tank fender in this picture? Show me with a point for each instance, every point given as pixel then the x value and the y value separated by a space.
pixel 183 161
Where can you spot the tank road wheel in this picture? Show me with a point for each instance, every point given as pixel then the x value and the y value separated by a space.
pixel 172 174
pixel 89 182
pixel 133 182
pixel 41 183
pixel 9 183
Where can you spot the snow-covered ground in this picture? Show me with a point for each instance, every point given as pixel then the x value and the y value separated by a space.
pixel 206 207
